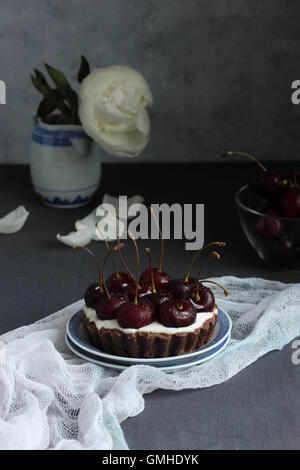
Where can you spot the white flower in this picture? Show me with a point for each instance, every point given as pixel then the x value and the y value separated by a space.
pixel 113 102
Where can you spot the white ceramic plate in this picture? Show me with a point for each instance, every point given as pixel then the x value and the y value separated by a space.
pixel 171 368
pixel 79 338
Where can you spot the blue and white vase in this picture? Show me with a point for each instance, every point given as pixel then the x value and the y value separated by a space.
pixel 65 165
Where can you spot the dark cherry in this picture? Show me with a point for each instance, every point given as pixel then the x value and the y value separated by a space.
pixel 275 181
pixel 269 227
pixel 117 284
pixel 290 203
pixel 106 309
pixel 160 297
pixel 176 314
pixel 161 279
pixel 181 289
pixel 144 289
pixel 136 315
pixel 206 300
pixel 92 295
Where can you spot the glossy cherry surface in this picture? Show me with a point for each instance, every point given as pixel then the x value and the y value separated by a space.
pixel 206 300
pixel 136 315
pixel 160 278
pixel 106 309
pixel 118 283
pixel 176 314
pixel 92 295
pixel 269 227
pixel 160 297
pixel 144 290
pixel 181 289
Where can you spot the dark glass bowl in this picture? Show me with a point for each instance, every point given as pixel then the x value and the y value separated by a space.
pixel 276 240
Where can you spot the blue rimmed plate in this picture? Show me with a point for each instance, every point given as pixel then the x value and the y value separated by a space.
pixel 192 361
pixel 79 338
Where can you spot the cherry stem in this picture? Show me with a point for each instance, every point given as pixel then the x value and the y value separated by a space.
pixel 137 267
pixel 151 270
pixel 161 239
pixel 96 261
pixel 186 279
pixel 226 291
pixel 213 254
pixel 123 262
pixel 243 154
pixel 108 249
pixel 111 251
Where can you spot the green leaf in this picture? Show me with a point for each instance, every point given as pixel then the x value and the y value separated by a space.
pixel 53 97
pixel 40 76
pixel 45 109
pixel 64 87
pixel 84 69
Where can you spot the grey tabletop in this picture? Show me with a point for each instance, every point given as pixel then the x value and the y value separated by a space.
pixel 256 409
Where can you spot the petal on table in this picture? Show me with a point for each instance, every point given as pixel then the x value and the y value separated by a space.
pixel 80 238
pixel 14 221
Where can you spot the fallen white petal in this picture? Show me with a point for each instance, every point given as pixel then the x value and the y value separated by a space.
pixel 80 238
pixel 14 221
pixel 114 201
pixel 112 229
pixel 87 222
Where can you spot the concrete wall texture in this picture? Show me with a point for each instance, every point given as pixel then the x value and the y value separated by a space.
pixel 220 70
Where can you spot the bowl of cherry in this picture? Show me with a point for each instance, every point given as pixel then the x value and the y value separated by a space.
pixel 269 211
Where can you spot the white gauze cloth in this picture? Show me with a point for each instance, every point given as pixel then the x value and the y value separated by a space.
pixel 51 399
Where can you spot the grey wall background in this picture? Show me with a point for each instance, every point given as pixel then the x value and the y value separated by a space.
pixel 220 70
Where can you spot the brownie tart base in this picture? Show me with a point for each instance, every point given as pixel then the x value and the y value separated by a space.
pixel 142 344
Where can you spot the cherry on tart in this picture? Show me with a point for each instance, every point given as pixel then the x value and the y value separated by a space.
pixel 136 314
pixel 181 288
pixel 144 289
pixel 202 297
pixel 161 279
pixel 176 313
pixel 117 281
pixel 139 312
pixel 131 280
pixel 107 307
pixel 95 291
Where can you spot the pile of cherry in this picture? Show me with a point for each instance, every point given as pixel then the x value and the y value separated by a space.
pixel 276 194
pixel 137 301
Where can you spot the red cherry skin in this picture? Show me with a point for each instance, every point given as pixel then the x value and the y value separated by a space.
pixel 273 181
pixel 181 289
pixel 206 301
pixel 131 315
pixel 106 309
pixel 290 204
pixel 269 227
pixel 161 279
pixel 160 297
pixel 178 314
pixel 92 295
pixel 117 284
pixel 145 289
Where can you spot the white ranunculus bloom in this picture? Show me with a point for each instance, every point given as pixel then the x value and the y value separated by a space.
pixel 113 102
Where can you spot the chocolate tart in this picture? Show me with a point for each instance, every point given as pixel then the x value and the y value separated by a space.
pixel 147 344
